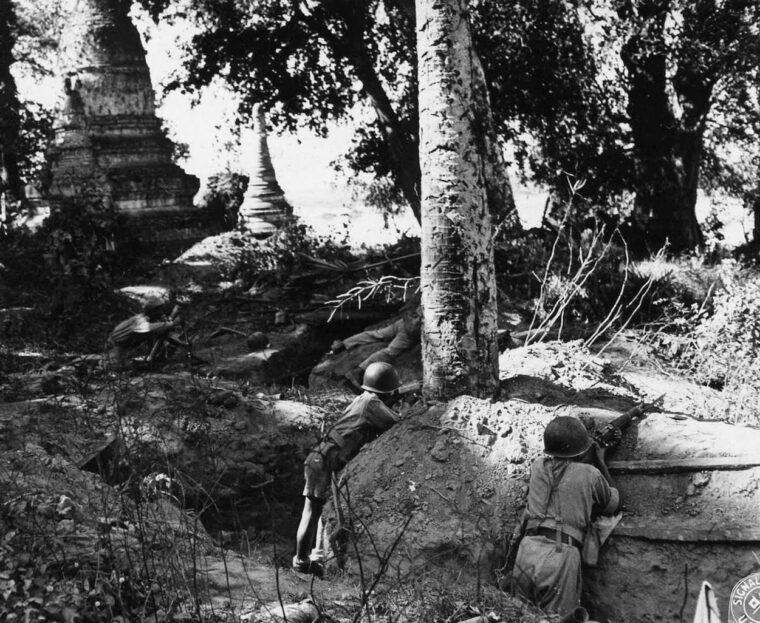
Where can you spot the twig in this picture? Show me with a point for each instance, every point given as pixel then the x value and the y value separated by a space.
pixel 685 590
pixel 367 289
pixel 613 314
pixel 383 566
pixel 228 330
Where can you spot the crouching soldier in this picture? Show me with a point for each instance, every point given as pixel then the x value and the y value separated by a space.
pixel 152 326
pixel 368 416
pixel 568 489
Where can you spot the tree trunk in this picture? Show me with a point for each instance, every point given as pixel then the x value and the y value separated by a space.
pixel 667 148
pixel 10 180
pixel 755 205
pixel 501 201
pixel 403 151
pixel 460 353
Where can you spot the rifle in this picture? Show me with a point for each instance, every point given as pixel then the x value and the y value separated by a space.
pixel 609 435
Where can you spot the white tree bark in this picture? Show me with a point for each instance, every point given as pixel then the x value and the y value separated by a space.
pixel 460 354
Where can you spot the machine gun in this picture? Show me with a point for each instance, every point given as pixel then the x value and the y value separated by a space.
pixel 609 434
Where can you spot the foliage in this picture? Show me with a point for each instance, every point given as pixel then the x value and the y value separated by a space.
pixel 36 135
pixel 25 127
pixel 276 259
pixel 562 116
pixel 720 346
pixel 80 237
pixel 580 112
pixel 224 196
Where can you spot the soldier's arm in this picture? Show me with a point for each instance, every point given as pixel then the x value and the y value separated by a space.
pixel 606 498
pixel 380 416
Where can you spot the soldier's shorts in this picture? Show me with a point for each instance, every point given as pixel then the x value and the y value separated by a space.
pixel 549 578
pixel 318 469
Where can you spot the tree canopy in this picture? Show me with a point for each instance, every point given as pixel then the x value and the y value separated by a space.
pixel 642 100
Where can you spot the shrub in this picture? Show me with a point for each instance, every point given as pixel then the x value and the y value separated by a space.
pixel 224 196
pixel 722 342
pixel 275 259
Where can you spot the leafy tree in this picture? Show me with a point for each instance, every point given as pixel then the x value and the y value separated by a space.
pixel 301 60
pixel 686 62
pixel 551 98
pixel 27 40
pixel 460 352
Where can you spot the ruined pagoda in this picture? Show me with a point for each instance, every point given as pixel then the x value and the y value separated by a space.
pixel 109 141
pixel 264 206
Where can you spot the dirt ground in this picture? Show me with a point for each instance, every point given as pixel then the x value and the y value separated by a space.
pixel 433 500
pixel 458 474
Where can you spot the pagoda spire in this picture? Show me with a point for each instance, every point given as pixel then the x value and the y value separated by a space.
pixel 264 206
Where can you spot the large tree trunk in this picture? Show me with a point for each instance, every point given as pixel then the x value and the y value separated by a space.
pixel 501 202
pixel 460 353
pixel 667 147
pixel 10 180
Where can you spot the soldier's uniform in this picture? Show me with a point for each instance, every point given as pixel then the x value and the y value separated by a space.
pixel 136 330
pixel 363 420
pixel 400 336
pixel 565 495
pixel 367 417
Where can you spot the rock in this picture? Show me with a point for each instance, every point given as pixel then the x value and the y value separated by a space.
pixel 141 294
pixel 303 612
pixel 440 451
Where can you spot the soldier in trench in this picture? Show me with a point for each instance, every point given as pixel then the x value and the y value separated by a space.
pixel 568 489
pixel 367 417
pixel 398 336
pixel 152 326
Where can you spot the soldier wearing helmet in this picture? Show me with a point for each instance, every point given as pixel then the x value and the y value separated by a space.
pixel 151 326
pixel 568 488
pixel 367 417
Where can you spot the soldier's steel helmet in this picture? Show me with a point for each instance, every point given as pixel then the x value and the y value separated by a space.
pixel 566 437
pixel 381 377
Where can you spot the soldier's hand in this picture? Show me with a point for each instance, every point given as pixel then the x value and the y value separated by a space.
pixel 599 453
pixel 337 346
pixel 615 436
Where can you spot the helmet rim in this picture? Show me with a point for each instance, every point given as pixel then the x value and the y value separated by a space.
pixel 566 437
pixel 380 368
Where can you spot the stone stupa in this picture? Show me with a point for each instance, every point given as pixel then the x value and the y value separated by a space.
pixel 264 207
pixel 109 141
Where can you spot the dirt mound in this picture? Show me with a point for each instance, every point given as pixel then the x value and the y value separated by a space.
pixel 458 475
